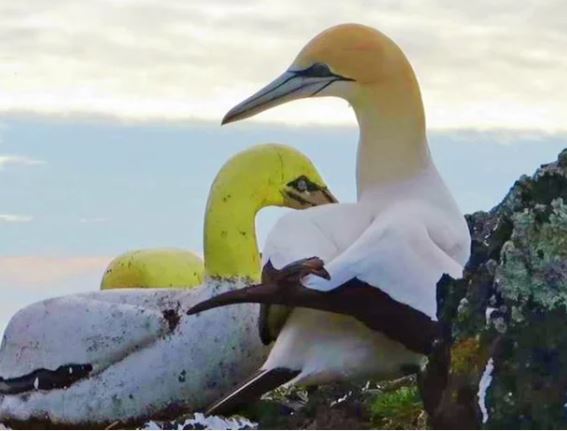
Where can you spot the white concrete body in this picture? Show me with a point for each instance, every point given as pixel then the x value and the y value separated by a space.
pixel 140 366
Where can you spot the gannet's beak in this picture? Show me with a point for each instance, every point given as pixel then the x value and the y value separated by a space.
pixel 293 84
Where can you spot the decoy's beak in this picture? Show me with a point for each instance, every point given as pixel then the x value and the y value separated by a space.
pixel 322 197
pixel 291 85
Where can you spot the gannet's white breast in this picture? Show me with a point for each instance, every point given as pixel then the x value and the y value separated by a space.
pixel 329 347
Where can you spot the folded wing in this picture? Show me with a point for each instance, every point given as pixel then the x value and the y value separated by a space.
pixel 88 331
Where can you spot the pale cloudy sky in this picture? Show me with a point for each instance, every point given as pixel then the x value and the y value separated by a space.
pixel 481 64
pixel 109 113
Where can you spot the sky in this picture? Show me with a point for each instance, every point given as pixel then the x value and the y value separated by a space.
pixel 110 111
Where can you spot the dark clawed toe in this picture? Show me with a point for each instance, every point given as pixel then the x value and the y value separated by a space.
pixel 323 273
pixel 295 271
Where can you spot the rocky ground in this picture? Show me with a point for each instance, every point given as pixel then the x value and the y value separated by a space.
pixel 386 405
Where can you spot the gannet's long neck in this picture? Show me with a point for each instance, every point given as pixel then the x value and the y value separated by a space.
pixel 392 145
pixel 230 246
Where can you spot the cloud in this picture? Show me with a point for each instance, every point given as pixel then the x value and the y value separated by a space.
pixel 38 272
pixel 15 160
pixel 28 279
pixel 15 218
pixel 479 63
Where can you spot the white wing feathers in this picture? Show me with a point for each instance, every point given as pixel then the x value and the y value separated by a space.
pixel 403 251
pixel 397 255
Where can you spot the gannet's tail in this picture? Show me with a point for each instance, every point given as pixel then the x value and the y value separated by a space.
pixel 252 389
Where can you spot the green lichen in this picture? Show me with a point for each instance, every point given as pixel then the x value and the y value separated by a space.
pixel 466 354
pixel 401 409
pixel 534 261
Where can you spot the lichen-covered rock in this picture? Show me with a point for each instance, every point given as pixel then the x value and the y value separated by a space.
pixel 385 405
pixel 365 405
pixel 399 409
pixel 502 362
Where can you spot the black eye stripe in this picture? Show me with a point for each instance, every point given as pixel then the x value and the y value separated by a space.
pixel 299 199
pixel 319 70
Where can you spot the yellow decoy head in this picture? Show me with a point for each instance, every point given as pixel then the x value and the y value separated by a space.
pixel 261 176
pixel 266 175
pixel 347 61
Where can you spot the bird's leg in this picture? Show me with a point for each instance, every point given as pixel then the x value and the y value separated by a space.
pixel 279 286
pixel 369 304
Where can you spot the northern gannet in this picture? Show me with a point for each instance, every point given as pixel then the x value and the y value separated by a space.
pixel 383 255
pixel 129 354
pixel 154 268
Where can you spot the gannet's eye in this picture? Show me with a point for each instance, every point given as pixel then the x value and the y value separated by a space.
pixel 301 185
pixel 316 70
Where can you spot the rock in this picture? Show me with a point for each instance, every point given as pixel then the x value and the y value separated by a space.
pixel 502 362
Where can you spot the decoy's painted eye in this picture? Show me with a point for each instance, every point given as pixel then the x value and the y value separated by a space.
pixel 301 185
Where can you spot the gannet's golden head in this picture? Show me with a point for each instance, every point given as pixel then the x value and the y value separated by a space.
pixel 342 61
pixel 270 174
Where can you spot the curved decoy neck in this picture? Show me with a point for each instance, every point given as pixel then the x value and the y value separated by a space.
pixel 230 245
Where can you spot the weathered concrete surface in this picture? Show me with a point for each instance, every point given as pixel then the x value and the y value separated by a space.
pixel 147 358
pixel 503 362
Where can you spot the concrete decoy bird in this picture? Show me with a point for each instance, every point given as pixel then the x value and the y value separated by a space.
pixel 129 354
pixel 171 267
pixel 362 277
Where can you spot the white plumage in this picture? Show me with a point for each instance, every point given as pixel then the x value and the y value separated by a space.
pixel 401 239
